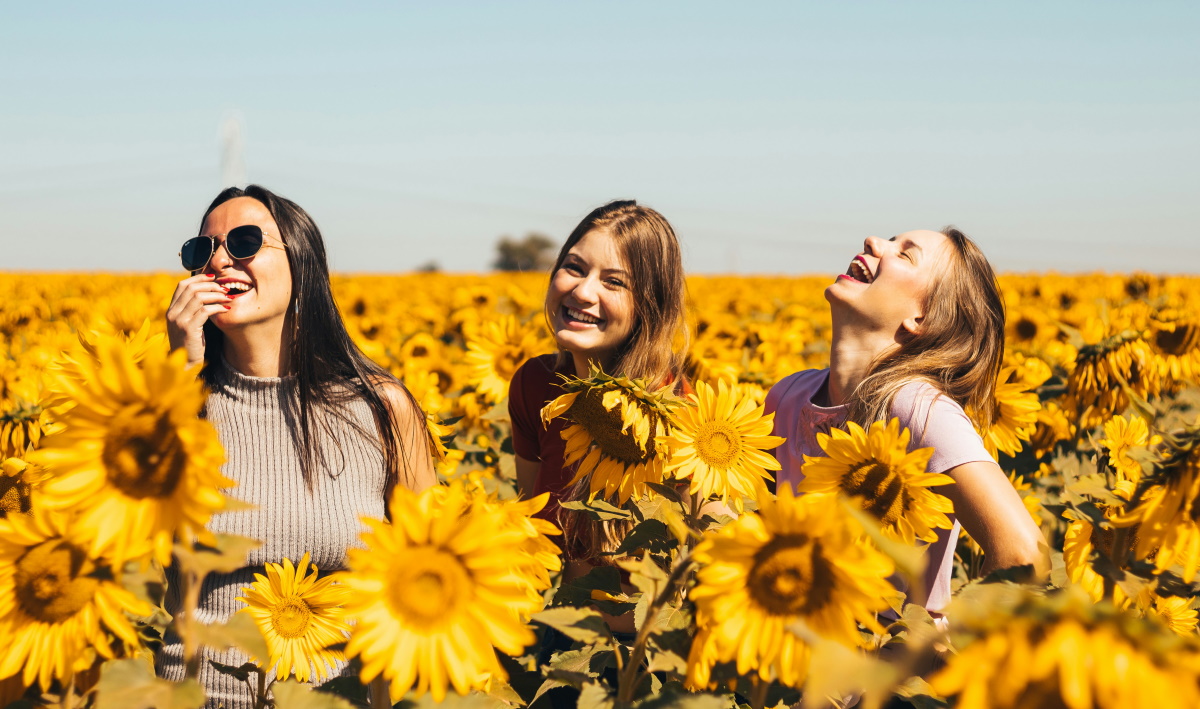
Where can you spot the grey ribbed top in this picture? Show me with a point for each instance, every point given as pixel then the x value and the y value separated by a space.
pixel 255 421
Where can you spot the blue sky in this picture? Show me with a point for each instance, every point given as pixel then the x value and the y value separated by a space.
pixel 774 136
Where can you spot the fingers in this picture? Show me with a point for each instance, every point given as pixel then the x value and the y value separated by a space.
pixel 188 290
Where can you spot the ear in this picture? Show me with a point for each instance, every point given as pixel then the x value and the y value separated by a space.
pixel 913 325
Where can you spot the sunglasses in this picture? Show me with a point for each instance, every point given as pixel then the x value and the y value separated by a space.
pixel 241 243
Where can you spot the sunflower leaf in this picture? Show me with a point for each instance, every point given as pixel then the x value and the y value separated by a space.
pixel 598 510
pixel 227 556
pixel 290 694
pixel 667 491
pixel 131 684
pixel 594 696
pixel 239 631
pixel 651 534
pixel 582 624
pixel 582 592
pixel 241 673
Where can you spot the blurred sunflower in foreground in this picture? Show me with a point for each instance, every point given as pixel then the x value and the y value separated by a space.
pixel 1020 649
pixel 300 617
pixel 134 459
pixel 719 444
pixel 61 607
pixel 875 468
pixel 797 560
pixel 433 595
pixel 499 347
pixel 614 436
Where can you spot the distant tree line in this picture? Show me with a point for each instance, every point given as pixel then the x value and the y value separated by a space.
pixel 535 252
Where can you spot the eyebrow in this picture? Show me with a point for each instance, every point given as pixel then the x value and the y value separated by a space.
pixel 909 244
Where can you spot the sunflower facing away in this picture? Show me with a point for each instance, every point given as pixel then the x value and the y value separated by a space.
pixel 134 457
pixel 614 434
pixel 500 347
pixel 798 559
pixel 300 617
pixel 875 468
pixel 59 605
pixel 719 444
pixel 1017 417
pixel 431 595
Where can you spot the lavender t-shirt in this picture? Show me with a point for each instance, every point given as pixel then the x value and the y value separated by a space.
pixel 934 420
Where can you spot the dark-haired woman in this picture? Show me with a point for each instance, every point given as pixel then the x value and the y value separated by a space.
pixel 616 299
pixel 918 334
pixel 315 434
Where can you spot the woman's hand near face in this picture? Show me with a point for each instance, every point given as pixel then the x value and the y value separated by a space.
pixel 196 299
pixel 992 513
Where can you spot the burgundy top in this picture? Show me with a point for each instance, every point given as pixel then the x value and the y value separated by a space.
pixel 535 384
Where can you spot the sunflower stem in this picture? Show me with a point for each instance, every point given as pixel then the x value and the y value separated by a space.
pixel 627 678
pixel 260 696
pixel 758 695
pixel 185 622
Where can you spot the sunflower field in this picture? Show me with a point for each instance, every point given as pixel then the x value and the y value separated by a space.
pixel 734 595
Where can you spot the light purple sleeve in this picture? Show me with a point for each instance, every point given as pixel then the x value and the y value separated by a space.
pixel 938 421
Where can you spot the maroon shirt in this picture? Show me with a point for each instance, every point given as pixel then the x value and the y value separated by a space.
pixel 535 384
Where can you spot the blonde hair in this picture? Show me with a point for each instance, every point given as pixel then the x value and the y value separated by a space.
pixel 959 349
pixel 654 350
pixel 646 241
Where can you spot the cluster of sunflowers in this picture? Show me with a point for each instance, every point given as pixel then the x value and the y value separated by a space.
pixel 740 595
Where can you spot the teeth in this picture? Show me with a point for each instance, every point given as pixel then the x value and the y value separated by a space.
pixel 859 272
pixel 237 285
pixel 582 316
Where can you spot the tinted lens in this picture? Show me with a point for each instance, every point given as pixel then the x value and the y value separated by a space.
pixel 244 241
pixel 196 252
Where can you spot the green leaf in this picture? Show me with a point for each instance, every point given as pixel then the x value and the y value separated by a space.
pixel 598 510
pixel 239 631
pixel 667 491
pixel 674 699
pixel 550 684
pixel 646 575
pixel 290 694
pixel 600 578
pixel 582 624
pixel 590 661
pixel 131 684
pixel 348 688
pixel 594 696
pixel 1095 487
pixel 240 673
pixel 651 534
pixel 1013 574
pixel 227 556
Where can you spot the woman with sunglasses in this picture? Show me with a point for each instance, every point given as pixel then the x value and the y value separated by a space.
pixel 315 434
pixel 918 334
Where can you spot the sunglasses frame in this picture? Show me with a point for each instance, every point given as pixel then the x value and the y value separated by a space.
pixel 214 245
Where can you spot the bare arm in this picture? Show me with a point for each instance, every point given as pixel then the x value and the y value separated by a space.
pixel 417 470
pixel 992 513
pixel 527 472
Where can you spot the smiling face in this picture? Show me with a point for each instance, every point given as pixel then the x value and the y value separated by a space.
pixel 590 303
pixel 886 286
pixel 261 286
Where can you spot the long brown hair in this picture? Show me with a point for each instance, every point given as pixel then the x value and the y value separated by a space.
pixel 656 346
pixel 654 350
pixel 959 348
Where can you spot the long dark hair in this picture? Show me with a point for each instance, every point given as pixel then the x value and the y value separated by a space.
pixel 328 368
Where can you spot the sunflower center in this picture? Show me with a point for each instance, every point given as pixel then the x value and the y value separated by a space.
pixel 605 428
pixel 882 488
pixel 507 360
pixel 718 443
pixel 52 581
pixel 1026 329
pixel 430 587
pixel 791 576
pixel 143 454
pixel 291 617
pixel 1177 341
pixel 14 495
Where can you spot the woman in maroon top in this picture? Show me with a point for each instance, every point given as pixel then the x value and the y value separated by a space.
pixel 616 298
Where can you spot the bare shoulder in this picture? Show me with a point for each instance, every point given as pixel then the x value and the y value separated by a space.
pixel 397 398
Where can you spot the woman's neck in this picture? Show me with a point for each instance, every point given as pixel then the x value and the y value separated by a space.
pixel 258 355
pixel 850 356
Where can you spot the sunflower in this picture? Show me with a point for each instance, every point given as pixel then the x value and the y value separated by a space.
pixel 300 616
pixel 498 349
pixel 134 459
pixel 431 595
pixel 1112 364
pixel 1175 612
pixel 15 487
pixel 60 606
pixel 1017 417
pixel 875 468
pixel 1167 511
pixel 799 559
pixel 1053 426
pixel 719 443
pixel 1174 338
pixel 616 425
pixel 1122 435
pixel 1065 651
pixel 25 417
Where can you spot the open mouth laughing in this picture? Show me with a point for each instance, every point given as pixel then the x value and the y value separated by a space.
pixel 571 315
pixel 859 271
